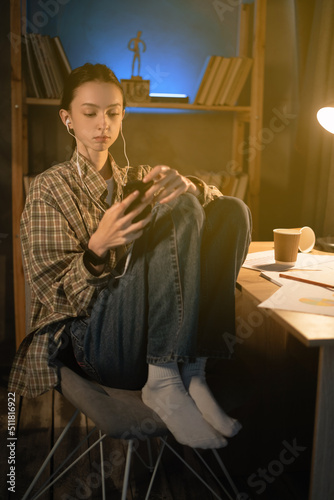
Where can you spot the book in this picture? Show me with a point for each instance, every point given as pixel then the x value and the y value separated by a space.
pixel 41 65
pixel 217 81
pixel 29 69
pixel 224 181
pixel 45 65
pixel 46 60
pixel 229 80
pixel 241 187
pixel 33 68
pixel 62 57
pixel 216 179
pixel 54 66
pixel 228 184
pixel 207 76
pixel 239 81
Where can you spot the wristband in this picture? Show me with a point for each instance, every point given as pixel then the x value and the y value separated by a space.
pixel 91 257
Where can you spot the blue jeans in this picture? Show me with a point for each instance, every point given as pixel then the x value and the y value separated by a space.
pixel 175 301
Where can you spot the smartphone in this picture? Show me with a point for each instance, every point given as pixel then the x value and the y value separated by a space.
pixel 142 187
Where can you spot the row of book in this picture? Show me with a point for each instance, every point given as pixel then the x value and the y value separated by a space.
pixel 222 80
pixel 228 184
pixel 45 65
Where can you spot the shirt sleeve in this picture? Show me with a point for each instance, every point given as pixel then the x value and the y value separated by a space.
pixel 60 284
pixel 207 193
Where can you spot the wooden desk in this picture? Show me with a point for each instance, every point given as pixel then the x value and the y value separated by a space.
pixel 312 331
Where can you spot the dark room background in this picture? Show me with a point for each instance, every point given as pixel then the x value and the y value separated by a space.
pixel 179 36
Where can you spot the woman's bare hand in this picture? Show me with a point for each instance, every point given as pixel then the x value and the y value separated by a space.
pixel 116 228
pixel 168 184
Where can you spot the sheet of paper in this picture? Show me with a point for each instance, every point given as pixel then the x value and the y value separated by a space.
pixel 301 297
pixel 323 277
pixel 294 295
pixel 265 261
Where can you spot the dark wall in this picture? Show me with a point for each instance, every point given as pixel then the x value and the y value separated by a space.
pixel 7 331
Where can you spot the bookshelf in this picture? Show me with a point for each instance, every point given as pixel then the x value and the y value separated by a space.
pixel 246 122
pixel 154 105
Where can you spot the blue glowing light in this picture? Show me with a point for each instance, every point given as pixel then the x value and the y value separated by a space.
pixel 179 36
pixel 164 94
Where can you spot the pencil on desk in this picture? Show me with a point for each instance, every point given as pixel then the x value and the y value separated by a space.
pixel 303 280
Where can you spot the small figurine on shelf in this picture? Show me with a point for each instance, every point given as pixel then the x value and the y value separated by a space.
pixel 134 46
pixel 136 89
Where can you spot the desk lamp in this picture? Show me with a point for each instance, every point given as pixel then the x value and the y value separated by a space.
pixel 325 117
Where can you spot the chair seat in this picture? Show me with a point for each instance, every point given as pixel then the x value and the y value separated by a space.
pixel 118 413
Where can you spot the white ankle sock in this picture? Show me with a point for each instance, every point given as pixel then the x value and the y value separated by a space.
pixel 164 392
pixel 193 377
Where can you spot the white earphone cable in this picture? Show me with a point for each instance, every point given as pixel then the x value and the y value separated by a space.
pixel 128 258
pixel 126 156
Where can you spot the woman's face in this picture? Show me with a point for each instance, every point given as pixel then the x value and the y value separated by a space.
pixel 96 115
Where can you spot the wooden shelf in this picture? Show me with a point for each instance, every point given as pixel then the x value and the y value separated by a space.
pixel 33 101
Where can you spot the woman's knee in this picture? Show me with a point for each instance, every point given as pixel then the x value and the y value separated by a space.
pixel 232 211
pixel 186 207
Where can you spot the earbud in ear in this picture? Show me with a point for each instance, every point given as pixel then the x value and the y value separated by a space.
pixel 68 121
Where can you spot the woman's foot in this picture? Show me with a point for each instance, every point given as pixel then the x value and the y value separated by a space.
pixel 193 378
pixel 164 393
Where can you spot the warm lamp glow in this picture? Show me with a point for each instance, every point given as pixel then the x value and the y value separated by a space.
pixel 325 117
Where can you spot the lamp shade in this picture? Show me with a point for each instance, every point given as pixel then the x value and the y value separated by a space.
pixel 325 117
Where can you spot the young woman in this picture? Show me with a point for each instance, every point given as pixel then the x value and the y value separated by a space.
pixel 144 302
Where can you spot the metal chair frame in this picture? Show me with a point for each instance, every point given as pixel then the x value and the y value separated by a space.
pixel 130 450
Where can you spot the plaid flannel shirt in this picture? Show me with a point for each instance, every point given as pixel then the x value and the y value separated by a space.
pixel 57 222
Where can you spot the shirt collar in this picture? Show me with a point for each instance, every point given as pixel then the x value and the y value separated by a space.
pixel 94 181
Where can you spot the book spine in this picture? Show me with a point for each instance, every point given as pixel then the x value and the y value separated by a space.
pixel 28 71
pixel 205 79
pixel 63 61
pixel 240 81
pixel 46 60
pixel 41 67
pixel 56 74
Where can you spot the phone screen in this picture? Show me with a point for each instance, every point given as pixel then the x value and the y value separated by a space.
pixel 142 187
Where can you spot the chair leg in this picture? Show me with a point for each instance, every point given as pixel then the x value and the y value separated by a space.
pixel 48 458
pixel 228 477
pixel 102 467
pixel 214 475
pixel 51 483
pixel 150 459
pixel 155 471
pixel 201 479
pixel 127 469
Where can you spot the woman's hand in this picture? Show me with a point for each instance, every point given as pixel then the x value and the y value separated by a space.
pixel 116 228
pixel 168 184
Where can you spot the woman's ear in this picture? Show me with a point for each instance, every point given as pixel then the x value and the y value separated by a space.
pixel 65 117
